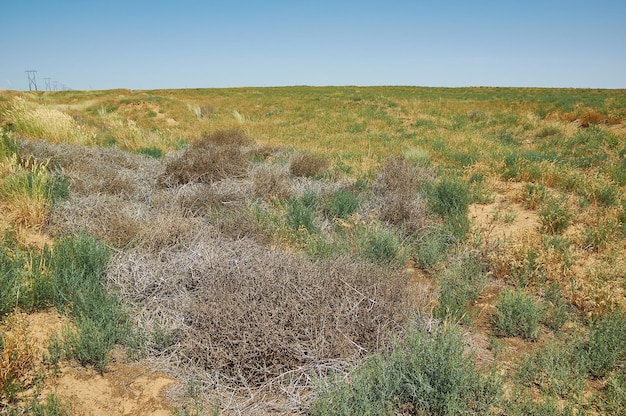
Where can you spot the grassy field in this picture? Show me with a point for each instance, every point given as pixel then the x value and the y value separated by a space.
pixel 322 250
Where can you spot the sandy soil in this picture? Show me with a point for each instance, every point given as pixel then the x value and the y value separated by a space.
pixel 124 389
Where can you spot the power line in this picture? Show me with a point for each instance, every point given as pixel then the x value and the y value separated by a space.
pixel 32 82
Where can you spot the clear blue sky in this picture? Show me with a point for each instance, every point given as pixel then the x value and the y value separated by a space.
pixel 194 44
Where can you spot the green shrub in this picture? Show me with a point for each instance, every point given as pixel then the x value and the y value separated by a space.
pixel 300 216
pixel 450 197
pixel 76 266
pixel 518 314
pixel 556 310
pixel 380 246
pixel 432 247
pixel 613 400
pixel 342 204
pixel 11 269
pixel 153 152
pixel 427 373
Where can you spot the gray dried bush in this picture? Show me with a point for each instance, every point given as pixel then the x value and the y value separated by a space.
pixel 92 170
pixel 205 163
pixel 399 176
pixel 235 138
pixel 396 195
pixel 171 230
pixel 270 182
pixel 246 315
pixel 305 164
pixel 109 218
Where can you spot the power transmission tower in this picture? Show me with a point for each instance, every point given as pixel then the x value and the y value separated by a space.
pixel 32 82
pixel 47 80
pixel 54 85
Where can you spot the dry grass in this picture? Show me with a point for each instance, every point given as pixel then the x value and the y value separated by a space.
pixel 17 356
pixel 43 123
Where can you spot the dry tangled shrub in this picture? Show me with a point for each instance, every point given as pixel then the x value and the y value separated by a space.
pixel 110 218
pixel 235 138
pixel 270 182
pixel 92 170
pixel 306 164
pixel 170 230
pixel 396 196
pixel 206 161
pixel 246 315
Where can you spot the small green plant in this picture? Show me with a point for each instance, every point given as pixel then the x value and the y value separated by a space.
pixel 153 152
pixel 613 399
pixel 554 216
pixel 518 314
pixel 450 197
pixel 433 247
pixel 556 309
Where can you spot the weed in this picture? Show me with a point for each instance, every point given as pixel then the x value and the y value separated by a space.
pixel 517 314
pixel 450 197
pixel 51 406
pixel 613 398
pixel 16 357
pixel 554 216
pixel 77 264
pixel 461 282
pixel 433 247
pixel 153 152
pixel 556 310
pixel 596 238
